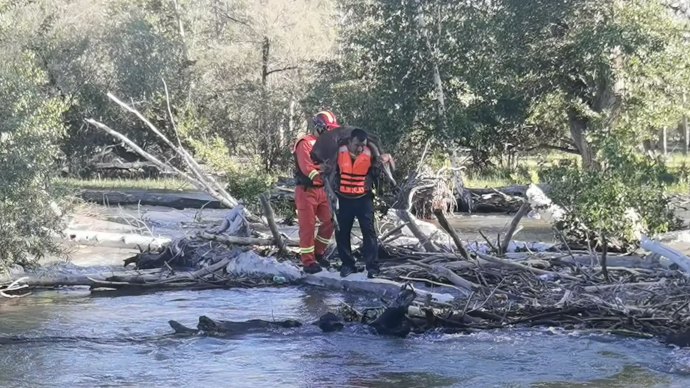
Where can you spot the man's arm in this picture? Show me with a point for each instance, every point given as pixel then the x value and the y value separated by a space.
pixel 306 165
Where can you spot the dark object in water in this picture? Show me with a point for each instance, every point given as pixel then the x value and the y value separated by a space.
pixel 329 323
pixel 680 339
pixel 181 329
pixel 394 321
pixel 209 325
pixel 220 327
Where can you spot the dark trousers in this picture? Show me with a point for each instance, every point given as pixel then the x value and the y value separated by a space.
pixel 363 209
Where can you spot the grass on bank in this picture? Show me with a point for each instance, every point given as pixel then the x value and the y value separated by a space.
pixel 678 163
pixel 178 185
pixel 172 184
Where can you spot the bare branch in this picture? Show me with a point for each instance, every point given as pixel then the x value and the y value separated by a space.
pixel 283 69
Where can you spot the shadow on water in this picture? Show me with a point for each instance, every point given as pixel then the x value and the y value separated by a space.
pixel 59 339
pixel 630 376
pixel 405 380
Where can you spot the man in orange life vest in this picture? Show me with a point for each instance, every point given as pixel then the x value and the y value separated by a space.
pixel 356 173
pixel 310 198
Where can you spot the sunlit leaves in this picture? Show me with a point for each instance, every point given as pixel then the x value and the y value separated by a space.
pixel 30 132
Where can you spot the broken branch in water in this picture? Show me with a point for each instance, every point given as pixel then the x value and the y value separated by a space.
pixel 446 226
pixel 268 213
pixel 412 225
pixel 524 209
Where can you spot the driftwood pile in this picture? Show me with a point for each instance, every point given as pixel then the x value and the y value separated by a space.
pixel 643 296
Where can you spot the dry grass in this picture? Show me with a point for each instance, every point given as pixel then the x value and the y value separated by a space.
pixel 144 184
pixel 675 161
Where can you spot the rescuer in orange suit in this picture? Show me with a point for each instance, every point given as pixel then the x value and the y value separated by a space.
pixel 310 198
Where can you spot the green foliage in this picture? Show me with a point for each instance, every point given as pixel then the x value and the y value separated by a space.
pixel 31 128
pixel 524 75
pixel 517 76
pixel 597 200
pixel 246 181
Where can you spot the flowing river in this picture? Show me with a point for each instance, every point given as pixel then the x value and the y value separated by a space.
pixel 70 338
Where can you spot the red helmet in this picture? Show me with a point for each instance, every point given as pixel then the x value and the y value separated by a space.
pixel 324 121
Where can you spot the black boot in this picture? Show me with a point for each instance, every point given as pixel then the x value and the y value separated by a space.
pixel 312 268
pixel 323 262
pixel 347 270
pixel 373 271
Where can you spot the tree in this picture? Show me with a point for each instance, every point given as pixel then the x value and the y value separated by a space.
pixel 595 66
pixel 514 75
pixel 30 130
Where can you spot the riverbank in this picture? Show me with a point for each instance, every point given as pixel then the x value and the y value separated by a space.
pixel 677 184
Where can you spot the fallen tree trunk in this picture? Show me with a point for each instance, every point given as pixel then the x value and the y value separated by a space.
pixel 118 240
pixel 221 328
pixel 677 257
pixel 197 177
pixel 412 226
pixel 183 200
pixel 514 190
pixel 74 280
pixel 360 282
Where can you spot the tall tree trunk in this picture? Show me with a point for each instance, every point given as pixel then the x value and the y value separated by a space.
pixel 267 146
pixel 185 71
pixel 578 128
pixel 433 57
pixel 663 141
pixel 265 54
pixel 606 101
pixel 647 146
pixel 686 133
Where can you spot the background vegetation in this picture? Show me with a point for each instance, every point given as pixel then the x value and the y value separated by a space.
pixel 507 82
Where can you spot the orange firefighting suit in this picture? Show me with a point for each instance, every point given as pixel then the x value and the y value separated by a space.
pixel 311 202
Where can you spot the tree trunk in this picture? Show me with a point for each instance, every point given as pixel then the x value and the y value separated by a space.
pixel 433 57
pixel 265 51
pixel 578 127
pixel 647 146
pixel 663 141
pixel 606 101
pixel 686 133
pixel 267 141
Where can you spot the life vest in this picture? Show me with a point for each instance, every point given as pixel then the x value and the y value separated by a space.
pixel 304 180
pixel 353 175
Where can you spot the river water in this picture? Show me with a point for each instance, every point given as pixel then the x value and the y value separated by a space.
pixel 70 338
